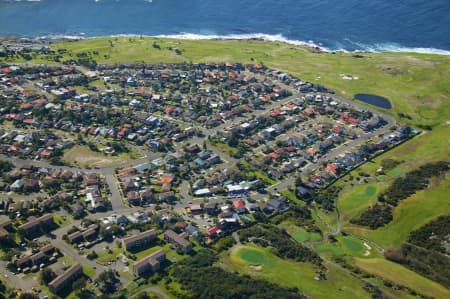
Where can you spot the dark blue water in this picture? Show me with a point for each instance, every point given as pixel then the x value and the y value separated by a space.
pixel 378 25
pixel 374 100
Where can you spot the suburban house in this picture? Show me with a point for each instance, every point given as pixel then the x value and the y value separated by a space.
pixel 4 229
pixel 139 241
pixel 179 240
pixel 149 264
pixel 66 279
pixel 75 237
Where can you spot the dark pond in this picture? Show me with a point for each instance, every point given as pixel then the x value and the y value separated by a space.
pixel 374 100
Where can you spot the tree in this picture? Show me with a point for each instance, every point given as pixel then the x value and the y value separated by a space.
pixel 28 296
pixel 79 284
pixel 47 275
pixel 142 295
pixel 85 294
pixel 107 281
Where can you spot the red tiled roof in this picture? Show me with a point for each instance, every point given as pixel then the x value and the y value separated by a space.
pixel 275 112
pixel 274 155
pixel 213 230
pixel 238 204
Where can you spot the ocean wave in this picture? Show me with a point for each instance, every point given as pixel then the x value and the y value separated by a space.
pixel 260 36
pixel 393 47
pixel 348 46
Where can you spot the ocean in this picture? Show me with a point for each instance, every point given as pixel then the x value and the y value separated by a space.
pixel 348 25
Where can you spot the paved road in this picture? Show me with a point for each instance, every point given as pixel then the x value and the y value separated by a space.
pixel 116 196
pixel 15 281
pixel 155 290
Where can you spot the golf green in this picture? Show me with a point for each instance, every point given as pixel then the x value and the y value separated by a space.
pixel 255 257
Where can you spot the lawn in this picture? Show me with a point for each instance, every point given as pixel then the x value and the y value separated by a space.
pixel 88 271
pixel 60 220
pixel 82 156
pixel 107 256
pixel 141 254
pixel 259 262
pixel 401 275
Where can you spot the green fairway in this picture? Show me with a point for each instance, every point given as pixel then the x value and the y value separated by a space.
pixel 399 274
pixel 395 172
pixel 302 235
pixel 354 246
pixel 339 284
pixel 410 215
pixel 329 248
pixel 357 199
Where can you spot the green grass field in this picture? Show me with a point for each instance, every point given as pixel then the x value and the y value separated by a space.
pixel 82 156
pixel 399 274
pixel 107 256
pixel 246 259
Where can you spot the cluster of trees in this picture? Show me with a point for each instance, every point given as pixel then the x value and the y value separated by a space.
pixel 429 263
pixel 202 280
pixel 375 217
pixel 282 244
pixel 433 236
pixel 296 214
pixel 108 282
pixel 326 197
pixel 402 188
pixel 114 230
pixel 225 243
